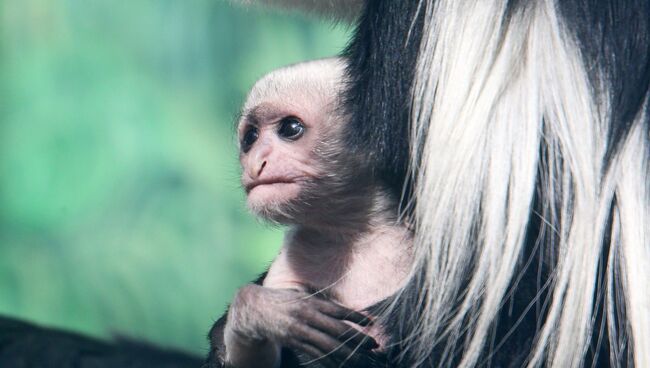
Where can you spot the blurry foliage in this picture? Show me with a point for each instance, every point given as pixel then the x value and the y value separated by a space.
pixel 120 208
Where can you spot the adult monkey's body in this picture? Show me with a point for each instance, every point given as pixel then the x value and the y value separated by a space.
pixel 529 154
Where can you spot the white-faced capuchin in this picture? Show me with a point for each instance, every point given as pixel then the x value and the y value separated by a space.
pixel 345 250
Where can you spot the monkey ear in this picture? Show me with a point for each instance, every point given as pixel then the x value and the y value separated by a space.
pixel 343 10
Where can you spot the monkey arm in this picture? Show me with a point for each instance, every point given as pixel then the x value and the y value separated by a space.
pixel 243 351
pixel 217 355
pixel 263 320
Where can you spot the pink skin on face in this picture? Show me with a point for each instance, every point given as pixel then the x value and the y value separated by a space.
pixel 274 167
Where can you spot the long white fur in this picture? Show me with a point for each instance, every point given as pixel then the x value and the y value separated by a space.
pixel 488 93
pixel 633 194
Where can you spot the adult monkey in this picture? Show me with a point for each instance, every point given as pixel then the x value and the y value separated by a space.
pixel 522 130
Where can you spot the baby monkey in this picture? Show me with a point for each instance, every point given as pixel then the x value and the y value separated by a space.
pixel 344 253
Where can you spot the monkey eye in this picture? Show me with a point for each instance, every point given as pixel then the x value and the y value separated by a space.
pixel 291 128
pixel 250 136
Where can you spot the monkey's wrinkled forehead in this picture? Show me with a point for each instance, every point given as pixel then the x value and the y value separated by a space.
pixel 318 81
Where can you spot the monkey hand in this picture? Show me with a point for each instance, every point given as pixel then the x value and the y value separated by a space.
pixel 262 320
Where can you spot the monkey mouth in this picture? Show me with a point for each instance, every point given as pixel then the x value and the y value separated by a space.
pixel 271 181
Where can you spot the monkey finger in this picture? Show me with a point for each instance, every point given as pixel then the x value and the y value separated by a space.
pixel 354 337
pixel 343 332
pixel 340 312
pixel 330 347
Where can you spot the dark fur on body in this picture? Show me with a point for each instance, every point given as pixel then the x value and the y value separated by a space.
pixel 381 62
pixel 25 345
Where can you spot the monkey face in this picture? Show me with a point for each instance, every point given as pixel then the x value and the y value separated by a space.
pixel 289 129
pixel 278 159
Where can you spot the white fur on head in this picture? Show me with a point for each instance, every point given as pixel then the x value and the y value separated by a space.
pixel 491 93
pixel 346 10
pixel 322 79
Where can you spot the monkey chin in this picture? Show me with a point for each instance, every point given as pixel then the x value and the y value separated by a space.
pixel 274 202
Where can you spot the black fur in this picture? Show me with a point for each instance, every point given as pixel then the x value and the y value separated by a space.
pixel 614 39
pixel 24 345
pixel 381 60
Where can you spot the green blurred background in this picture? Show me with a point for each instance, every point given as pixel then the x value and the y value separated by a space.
pixel 120 208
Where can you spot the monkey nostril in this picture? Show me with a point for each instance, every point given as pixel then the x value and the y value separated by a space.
pixel 259 172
